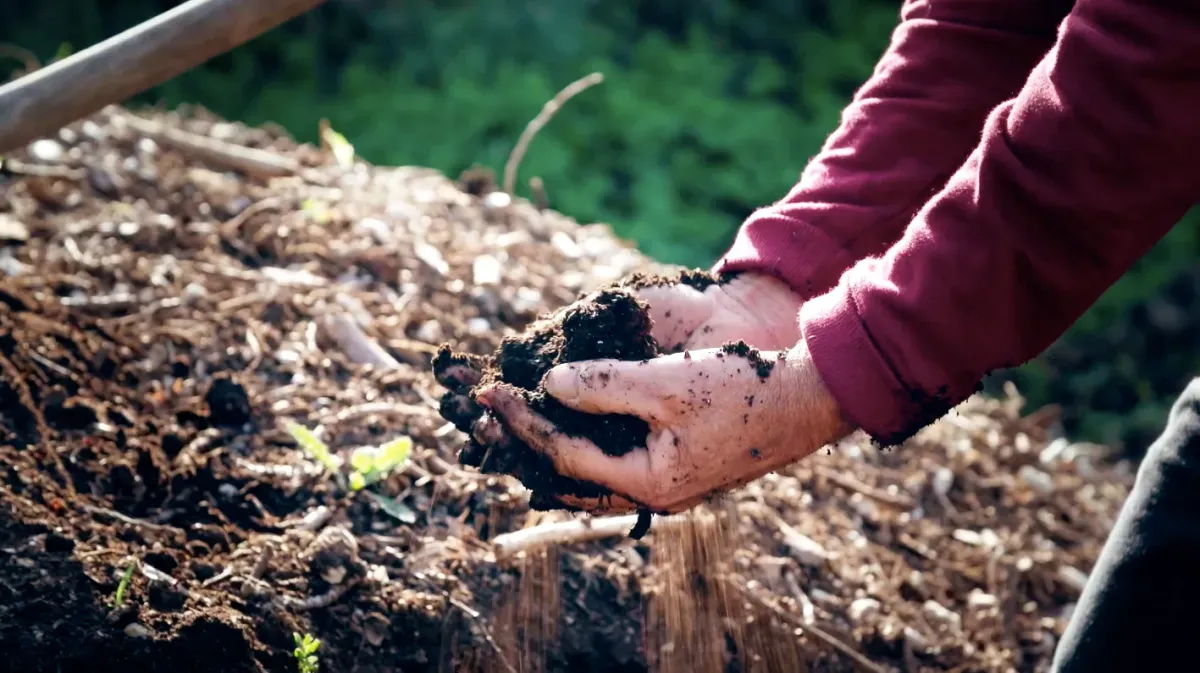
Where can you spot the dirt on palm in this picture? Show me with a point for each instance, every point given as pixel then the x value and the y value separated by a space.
pixel 164 317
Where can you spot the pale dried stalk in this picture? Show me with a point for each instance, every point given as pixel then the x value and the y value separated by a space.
pixel 572 531
pixel 251 161
pixel 815 631
pixel 876 494
pixel 531 129
pixel 356 344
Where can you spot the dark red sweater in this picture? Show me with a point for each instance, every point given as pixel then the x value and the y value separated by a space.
pixel 1006 163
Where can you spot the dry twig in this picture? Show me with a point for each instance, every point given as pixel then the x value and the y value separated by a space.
pixel 571 531
pixel 356 344
pixel 531 129
pixel 44 171
pixel 253 162
pixel 487 634
pixel 18 53
pixel 124 518
pixel 828 638
pixel 877 494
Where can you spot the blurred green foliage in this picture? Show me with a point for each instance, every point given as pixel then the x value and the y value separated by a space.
pixel 709 109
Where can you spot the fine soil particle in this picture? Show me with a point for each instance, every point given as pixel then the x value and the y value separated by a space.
pixel 762 366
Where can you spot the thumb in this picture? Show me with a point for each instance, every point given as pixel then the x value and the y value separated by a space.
pixel 608 387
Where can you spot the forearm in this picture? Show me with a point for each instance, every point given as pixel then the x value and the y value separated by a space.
pixel 905 132
pixel 1074 180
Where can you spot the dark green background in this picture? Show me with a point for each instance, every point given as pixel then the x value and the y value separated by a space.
pixel 708 109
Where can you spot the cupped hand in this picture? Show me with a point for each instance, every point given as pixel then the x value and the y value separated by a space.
pixel 758 309
pixel 755 308
pixel 716 423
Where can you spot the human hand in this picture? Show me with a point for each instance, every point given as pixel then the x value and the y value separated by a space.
pixel 715 424
pixel 758 309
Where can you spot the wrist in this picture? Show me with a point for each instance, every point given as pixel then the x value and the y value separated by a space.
pixel 810 416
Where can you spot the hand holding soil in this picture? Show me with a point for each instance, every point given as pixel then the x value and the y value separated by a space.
pixel 718 418
pixel 696 312
pixel 675 425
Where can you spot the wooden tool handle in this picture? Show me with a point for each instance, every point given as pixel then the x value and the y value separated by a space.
pixel 136 60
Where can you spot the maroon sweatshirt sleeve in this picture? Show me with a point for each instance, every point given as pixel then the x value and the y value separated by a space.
pixel 1073 180
pixel 908 128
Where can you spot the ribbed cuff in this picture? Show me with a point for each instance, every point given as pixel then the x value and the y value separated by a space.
pixel 858 376
pixel 795 252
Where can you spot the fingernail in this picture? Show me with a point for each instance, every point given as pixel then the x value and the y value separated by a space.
pixel 563 382
pixel 487 430
pixel 486 396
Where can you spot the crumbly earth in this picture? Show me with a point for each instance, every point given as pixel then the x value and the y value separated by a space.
pixel 762 366
pixel 162 317
pixel 696 278
pixel 609 324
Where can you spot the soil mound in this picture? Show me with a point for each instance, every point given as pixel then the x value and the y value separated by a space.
pixel 181 297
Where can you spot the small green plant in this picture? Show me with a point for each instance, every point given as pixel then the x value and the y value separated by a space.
pixel 306 652
pixel 368 465
pixel 393 508
pixel 314 446
pixel 123 586
pixel 336 144
pixel 372 463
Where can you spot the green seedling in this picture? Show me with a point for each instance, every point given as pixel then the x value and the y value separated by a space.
pixel 319 212
pixel 372 463
pixel 314 446
pixel 64 50
pixel 393 508
pixel 336 144
pixel 123 587
pixel 306 652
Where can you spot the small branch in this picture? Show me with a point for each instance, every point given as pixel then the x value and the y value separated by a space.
pixel 531 129
pixel 19 53
pixel 43 171
pixel 379 409
pixel 824 636
pixel 251 161
pixel 570 532
pixel 538 188
pixel 356 344
pixel 218 578
pixel 487 634
pixel 123 518
pixel 321 600
pixel 878 494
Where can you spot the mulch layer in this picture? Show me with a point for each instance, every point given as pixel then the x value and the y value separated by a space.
pixel 175 290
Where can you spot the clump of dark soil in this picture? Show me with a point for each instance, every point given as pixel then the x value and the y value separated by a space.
pixel 762 366
pixel 696 278
pixel 609 324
